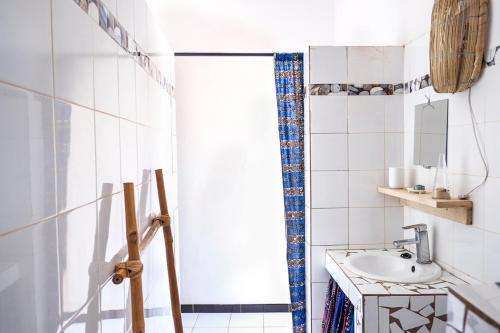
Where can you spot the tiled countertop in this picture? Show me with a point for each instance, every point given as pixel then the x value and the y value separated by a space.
pixel 482 299
pixel 356 286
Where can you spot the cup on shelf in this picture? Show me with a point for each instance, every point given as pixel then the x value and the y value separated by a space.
pixel 396 177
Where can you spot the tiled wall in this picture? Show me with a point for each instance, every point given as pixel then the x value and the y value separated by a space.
pixel 352 137
pixel 79 115
pixel 472 252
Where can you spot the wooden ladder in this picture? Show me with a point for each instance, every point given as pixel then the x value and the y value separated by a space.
pixel 132 268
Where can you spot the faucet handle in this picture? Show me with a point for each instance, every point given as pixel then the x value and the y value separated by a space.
pixel 417 227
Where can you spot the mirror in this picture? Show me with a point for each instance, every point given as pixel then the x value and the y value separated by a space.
pixel 431 133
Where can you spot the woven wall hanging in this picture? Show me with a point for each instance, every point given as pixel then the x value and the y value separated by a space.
pixel 458 37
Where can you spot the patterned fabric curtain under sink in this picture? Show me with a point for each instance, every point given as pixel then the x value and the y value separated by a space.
pixel 289 77
pixel 338 316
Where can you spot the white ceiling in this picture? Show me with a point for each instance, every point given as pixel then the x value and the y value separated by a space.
pixel 288 25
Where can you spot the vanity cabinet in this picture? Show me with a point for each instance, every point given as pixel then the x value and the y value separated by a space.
pixel 392 307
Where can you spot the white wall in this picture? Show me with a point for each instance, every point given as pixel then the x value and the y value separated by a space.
pixel 472 252
pixel 231 198
pixel 78 116
pixel 351 141
pixel 284 25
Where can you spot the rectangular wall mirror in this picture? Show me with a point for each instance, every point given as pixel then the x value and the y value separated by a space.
pixel 431 133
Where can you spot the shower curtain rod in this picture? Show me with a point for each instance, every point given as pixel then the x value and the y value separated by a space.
pixel 222 54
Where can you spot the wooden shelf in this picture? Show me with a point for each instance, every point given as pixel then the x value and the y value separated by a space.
pixel 454 209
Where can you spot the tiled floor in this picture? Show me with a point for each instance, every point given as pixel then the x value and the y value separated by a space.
pixel 237 322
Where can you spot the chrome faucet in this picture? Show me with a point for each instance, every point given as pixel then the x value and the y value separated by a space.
pixel 421 240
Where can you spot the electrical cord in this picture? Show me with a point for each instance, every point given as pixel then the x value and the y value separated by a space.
pixel 479 144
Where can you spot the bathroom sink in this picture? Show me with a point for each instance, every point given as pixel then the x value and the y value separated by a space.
pixel 390 267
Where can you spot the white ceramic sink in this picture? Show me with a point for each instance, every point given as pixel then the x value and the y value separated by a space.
pixel 390 267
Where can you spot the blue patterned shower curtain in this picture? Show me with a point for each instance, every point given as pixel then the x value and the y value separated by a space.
pixel 289 76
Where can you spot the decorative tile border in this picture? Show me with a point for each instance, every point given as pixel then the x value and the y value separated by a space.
pixel 234 308
pixel 417 84
pixel 371 89
pixel 333 89
pixel 342 89
pixel 98 11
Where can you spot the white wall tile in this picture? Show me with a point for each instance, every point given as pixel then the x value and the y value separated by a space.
pixel 144 153
pixel 112 300
pixel 73 64
pixel 328 152
pixel 461 184
pixel 78 272
pixel 463 156
pixel 107 154
pixel 159 289
pixel 328 64
pixel 491 190
pixel 366 151
pixel 143 203
pixel 366 225
pixel 366 113
pixel 363 188
pixel 318 272
pixel 394 114
pixel 329 226
pixel 28 180
pixel 393 64
pixel 417 59
pixel 28 260
pixel 489 81
pixel 317 325
pixel 328 114
pixel 491 139
pixel 443 238
pixel 128 146
pixel 318 291
pixel 140 23
pixel 105 72
pixel 365 64
pixel 87 319
pixel 491 257
pixel 26 44
pixel 394 150
pixel 394 221
pixel 125 14
pixel 307 152
pixel 330 189
pixel 75 155
pixel 126 86
pixel 141 93
pixel 468 253
pixel 111 231
pixel 308 223
pixel 307 188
